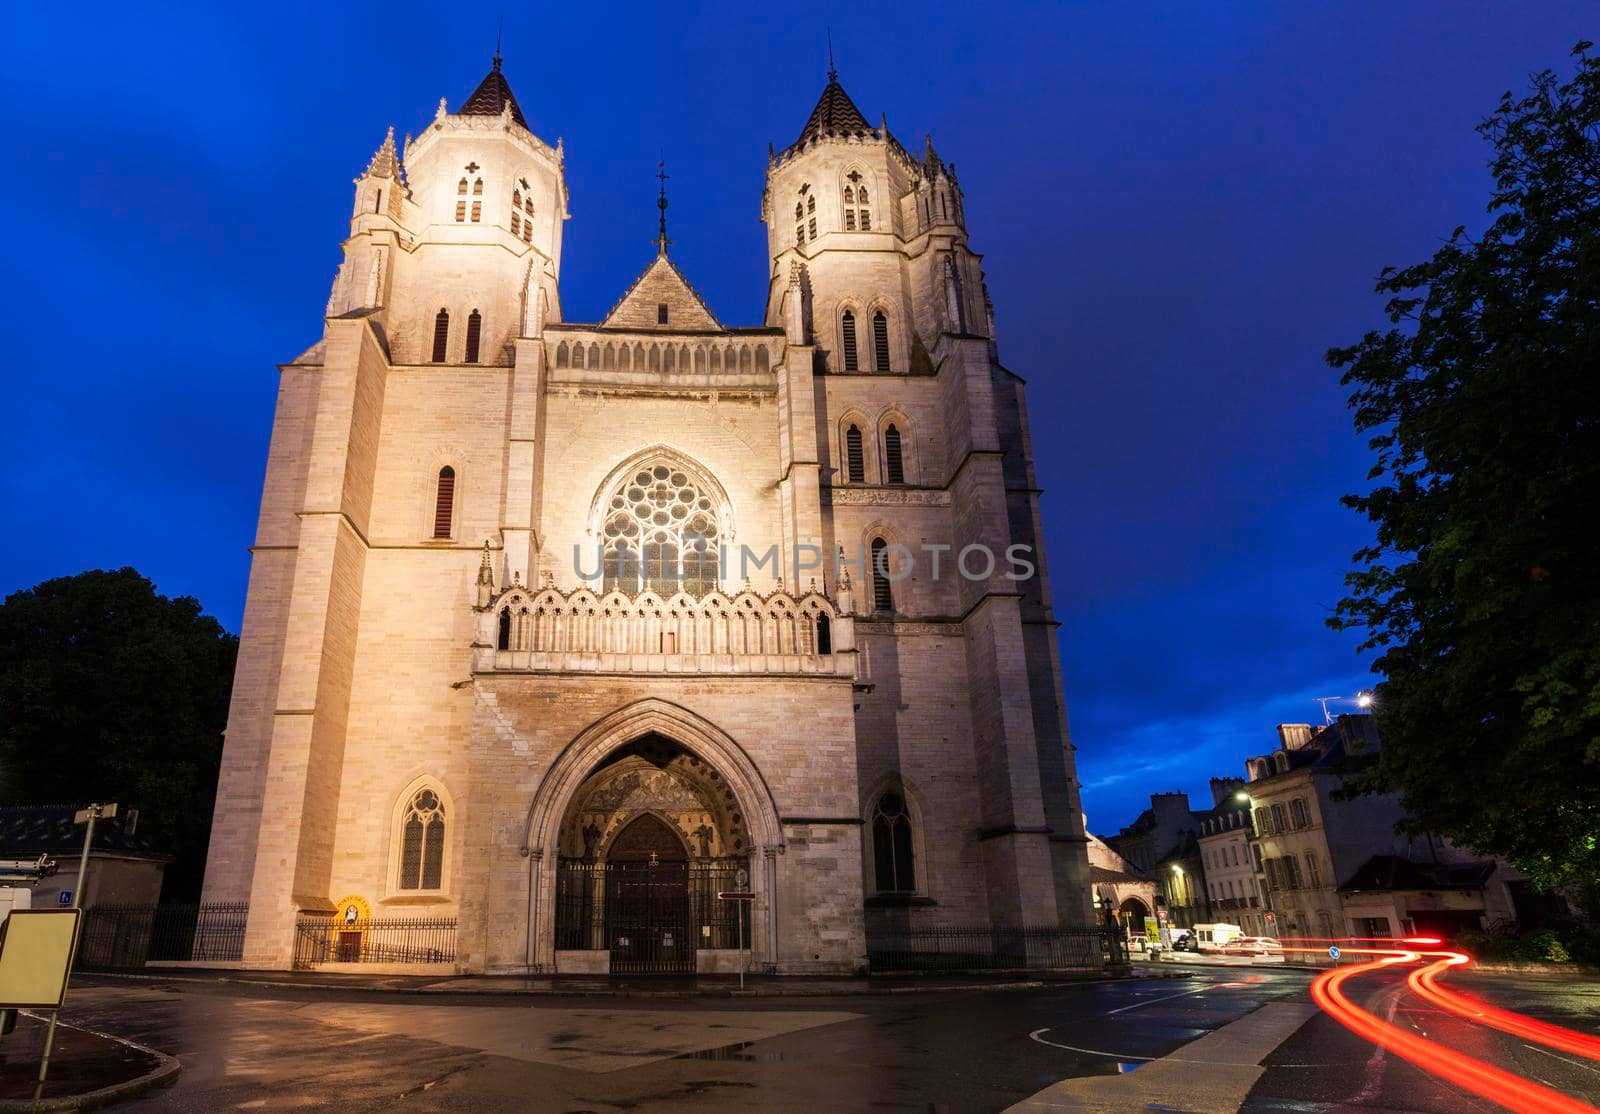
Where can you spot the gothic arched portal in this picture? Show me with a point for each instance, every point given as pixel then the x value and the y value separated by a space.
pixel 648 841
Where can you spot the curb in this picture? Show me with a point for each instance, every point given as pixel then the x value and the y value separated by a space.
pixel 165 1073
pixel 798 991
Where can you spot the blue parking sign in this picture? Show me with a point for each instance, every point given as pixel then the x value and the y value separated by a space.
pixel 64 897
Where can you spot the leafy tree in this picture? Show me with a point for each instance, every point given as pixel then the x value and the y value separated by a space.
pixel 1482 590
pixel 111 692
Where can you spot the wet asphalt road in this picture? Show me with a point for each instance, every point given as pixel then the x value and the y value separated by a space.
pixel 340 1050
pixel 1324 1067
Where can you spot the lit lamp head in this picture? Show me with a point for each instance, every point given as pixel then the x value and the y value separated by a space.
pixel 1363 700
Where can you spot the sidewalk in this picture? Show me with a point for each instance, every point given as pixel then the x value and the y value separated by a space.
pixel 588 986
pixel 87 1069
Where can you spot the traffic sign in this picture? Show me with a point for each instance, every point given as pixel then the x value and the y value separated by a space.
pixel 64 897
pixel 1333 951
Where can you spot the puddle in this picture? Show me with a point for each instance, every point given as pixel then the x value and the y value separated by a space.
pixel 740 1051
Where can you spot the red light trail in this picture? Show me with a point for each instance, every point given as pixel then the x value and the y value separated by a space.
pixel 1422 984
pixel 1486 1080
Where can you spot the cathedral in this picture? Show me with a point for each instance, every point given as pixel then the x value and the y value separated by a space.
pixel 651 643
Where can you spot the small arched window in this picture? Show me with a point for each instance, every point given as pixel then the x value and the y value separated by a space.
pixel 882 586
pixel 516 212
pixel 461 200
pixel 474 331
pixel 847 341
pixel 422 843
pixel 503 640
pixel 527 223
pixel 893 465
pixel 854 461
pixel 880 341
pixel 477 200
pixel 444 503
pixel 441 336
pixel 857 218
pixel 894 866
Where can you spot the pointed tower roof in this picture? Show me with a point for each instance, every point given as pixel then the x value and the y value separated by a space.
pixel 492 96
pixel 385 162
pixel 835 114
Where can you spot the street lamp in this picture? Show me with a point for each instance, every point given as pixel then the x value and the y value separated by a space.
pixel 1361 699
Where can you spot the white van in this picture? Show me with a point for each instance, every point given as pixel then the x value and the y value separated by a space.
pixel 1215 937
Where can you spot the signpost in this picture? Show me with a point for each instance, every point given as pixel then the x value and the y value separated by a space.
pixel 84 816
pixel 741 879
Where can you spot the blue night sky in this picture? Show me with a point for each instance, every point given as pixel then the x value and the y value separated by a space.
pixel 1180 209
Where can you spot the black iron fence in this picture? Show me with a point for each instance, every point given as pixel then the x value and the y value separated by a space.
pixel 331 939
pixel 123 936
pixel 589 913
pixel 987 949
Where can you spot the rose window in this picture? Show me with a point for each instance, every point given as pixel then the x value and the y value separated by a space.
pixel 661 534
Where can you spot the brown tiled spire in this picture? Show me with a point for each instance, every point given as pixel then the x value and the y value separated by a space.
pixel 491 97
pixel 835 114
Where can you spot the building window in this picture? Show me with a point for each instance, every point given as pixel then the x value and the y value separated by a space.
pixel 892 855
pixel 856 215
pixel 1313 875
pixel 461 200
pixel 422 843
pixel 880 341
pixel 516 212
pixel 661 313
pixel 1264 820
pixel 1297 813
pixel 855 461
pixel 893 465
pixel 669 518
pixel 847 340
pixel 441 336
pixel 503 642
pixel 1278 824
pixel 474 330
pixel 882 587
pixel 444 502
pixel 477 200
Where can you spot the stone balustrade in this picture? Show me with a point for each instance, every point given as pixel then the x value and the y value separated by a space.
pixel 634 358
pixel 584 630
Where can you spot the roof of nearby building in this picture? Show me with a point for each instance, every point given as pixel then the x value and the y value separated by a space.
pixel 1341 747
pixel 492 96
pixel 1223 812
pixel 28 830
pixel 1391 872
pixel 1187 847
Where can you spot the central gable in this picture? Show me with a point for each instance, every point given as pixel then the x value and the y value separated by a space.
pixel 662 284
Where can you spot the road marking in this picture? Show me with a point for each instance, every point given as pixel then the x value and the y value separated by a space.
pixel 1153 1001
pixel 1210 1075
pixel 1563 1059
pixel 1128 1057
pixel 1372 1077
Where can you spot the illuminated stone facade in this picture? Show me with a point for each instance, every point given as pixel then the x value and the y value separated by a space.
pixel 458 697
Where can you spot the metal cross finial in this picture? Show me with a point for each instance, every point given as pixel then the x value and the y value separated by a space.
pixel 661 203
pixel 833 72
pixel 499 31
